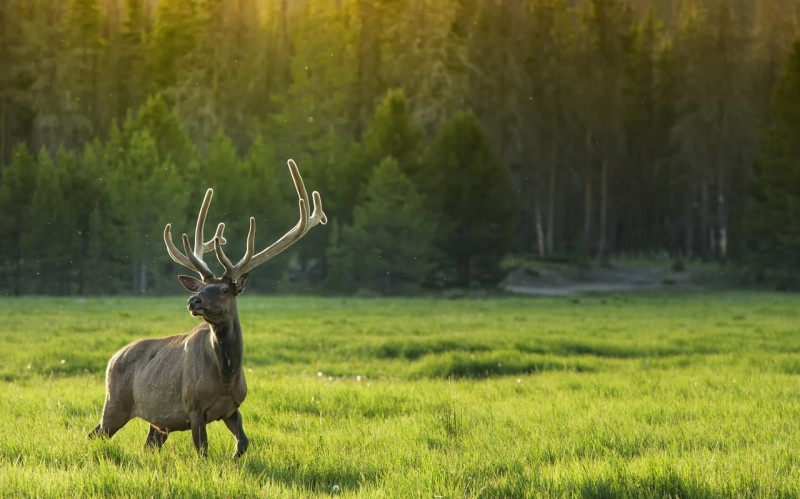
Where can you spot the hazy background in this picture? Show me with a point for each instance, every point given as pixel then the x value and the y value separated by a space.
pixel 444 135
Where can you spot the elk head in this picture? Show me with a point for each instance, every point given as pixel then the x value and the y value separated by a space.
pixel 214 301
pixel 214 296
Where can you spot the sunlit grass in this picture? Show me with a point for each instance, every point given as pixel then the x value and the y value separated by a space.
pixel 613 396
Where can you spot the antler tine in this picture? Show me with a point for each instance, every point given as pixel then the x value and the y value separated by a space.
pixel 209 245
pixel 197 263
pixel 223 259
pixel 317 215
pixel 304 224
pixel 251 244
pixel 173 251
pixel 200 228
pixel 230 268
pixel 193 259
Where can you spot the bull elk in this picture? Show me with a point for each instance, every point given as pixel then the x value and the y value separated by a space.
pixel 187 381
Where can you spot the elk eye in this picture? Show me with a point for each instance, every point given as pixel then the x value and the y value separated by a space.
pixel 224 290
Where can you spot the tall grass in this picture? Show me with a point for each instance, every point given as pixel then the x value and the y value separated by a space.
pixel 690 396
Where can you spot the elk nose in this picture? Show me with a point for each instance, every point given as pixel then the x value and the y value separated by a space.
pixel 194 301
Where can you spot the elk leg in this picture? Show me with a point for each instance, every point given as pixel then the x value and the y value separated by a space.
pixel 110 423
pixel 97 432
pixel 234 424
pixel 156 438
pixel 199 435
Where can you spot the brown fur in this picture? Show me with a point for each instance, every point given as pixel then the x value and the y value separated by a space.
pixel 186 381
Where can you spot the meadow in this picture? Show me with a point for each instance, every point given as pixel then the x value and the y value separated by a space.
pixel 663 395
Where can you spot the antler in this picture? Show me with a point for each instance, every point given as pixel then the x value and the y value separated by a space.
pixel 193 259
pixel 250 260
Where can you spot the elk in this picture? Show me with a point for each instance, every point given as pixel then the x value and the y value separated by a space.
pixel 186 381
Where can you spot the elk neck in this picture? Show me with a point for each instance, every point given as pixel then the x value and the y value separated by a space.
pixel 226 342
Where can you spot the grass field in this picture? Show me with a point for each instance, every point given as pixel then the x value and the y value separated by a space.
pixel 615 396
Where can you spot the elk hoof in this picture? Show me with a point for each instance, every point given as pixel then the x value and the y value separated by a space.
pixel 241 447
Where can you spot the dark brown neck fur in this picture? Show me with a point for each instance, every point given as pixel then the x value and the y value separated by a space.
pixel 228 348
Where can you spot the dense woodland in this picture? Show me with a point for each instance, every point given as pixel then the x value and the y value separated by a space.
pixel 444 135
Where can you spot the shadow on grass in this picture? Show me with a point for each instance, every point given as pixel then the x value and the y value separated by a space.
pixel 414 350
pixel 494 364
pixel 660 484
pixel 311 478
pixel 609 351
pixel 618 484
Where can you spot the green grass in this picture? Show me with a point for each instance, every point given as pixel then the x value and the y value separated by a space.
pixel 617 396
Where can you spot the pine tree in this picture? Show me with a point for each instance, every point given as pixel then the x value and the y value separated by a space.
pixel 545 120
pixel 49 224
pixel 43 76
pixel 428 57
pixel 774 217
pixel 171 139
pixel 147 167
pixel 713 133
pixel 82 193
pixel 393 133
pixel 219 77
pixel 470 188
pixel 133 85
pixel 607 28
pixel 101 244
pixel 10 34
pixel 17 184
pixel 390 243
pixel 645 184
pixel 268 194
pixel 175 35
pixel 146 194
pixel 84 46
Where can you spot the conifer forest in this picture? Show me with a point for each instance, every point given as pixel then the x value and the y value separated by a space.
pixel 443 135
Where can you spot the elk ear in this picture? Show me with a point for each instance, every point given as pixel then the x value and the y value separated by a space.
pixel 190 283
pixel 241 283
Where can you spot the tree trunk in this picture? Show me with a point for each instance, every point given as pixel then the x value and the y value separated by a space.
pixel 82 264
pixel 551 187
pixel 216 109
pixel 134 277
pixel 551 208
pixel 17 279
pixel 722 217
pixel 704 221
pixel 540 241
pixel 143 278
pixel 587 217
pixel 463 273
pixel 689 227
pixel 4 139
pixel 601 244
pixel 94 99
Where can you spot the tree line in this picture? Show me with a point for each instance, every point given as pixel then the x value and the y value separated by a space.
pixel 443 135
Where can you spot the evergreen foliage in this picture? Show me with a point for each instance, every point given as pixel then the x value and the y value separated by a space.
pixel 470 189
pixel 572 129
pixel 17 185
pixel 390 245
pixel 48 231
pixel 774 221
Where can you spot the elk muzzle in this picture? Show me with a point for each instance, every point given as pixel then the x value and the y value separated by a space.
pixel 195 305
